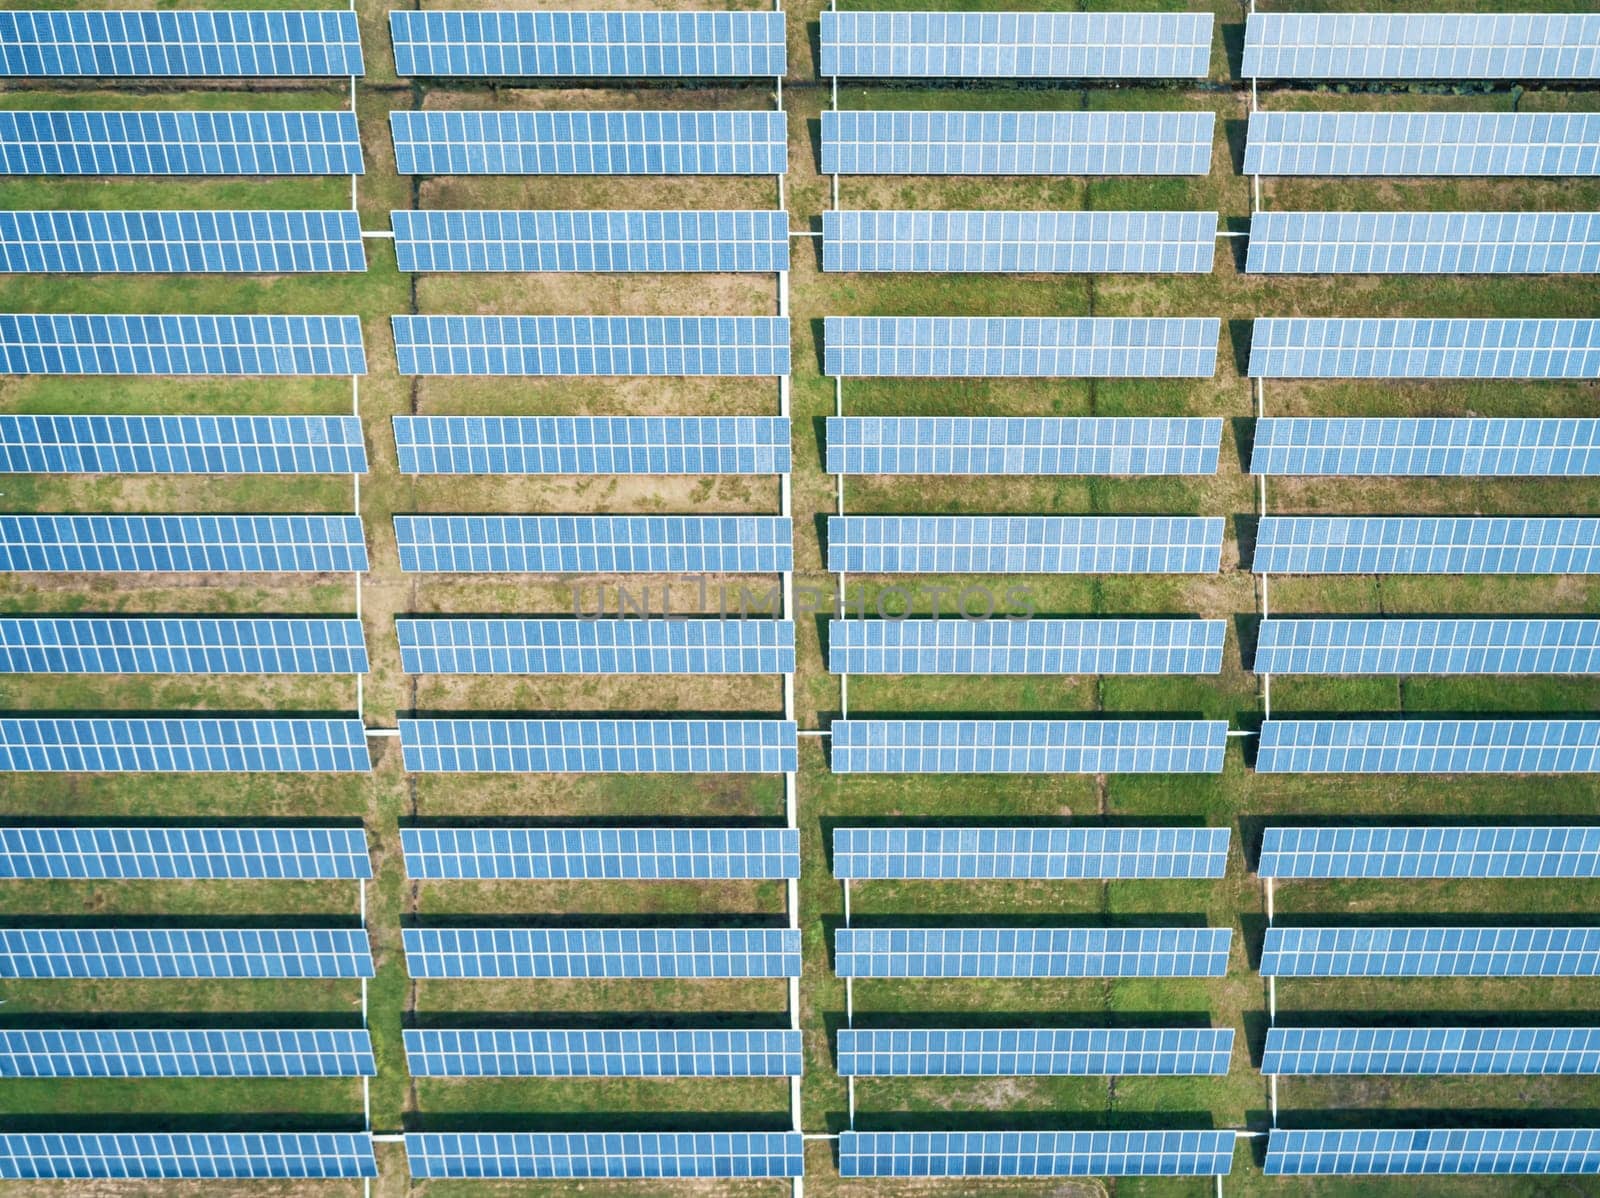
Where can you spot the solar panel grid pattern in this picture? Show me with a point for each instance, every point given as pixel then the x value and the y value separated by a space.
pixel 591 45
pixel 599 646
pixel 182 544
pixel 207 43
pixel 594 544
pixel 601 854
pixel 1421 46
pixel 590 143
pixel 1459 144
pixel 1488 1150
pixel 173 1156
pixel 186 645
pixel 36 343
pixel 643 1052
pixel 1535 746
pixel 1424 243
pixel 168 953
pixel 1031 952
pixel 1028 746
pixel 599 746
pixel 182 746
pixel 1015 45
pixel 1027 445
pixel 1031 646
pixel 165 142
pixel 166 1052
pixel 864 854
pixel 592 242
pixel 630 1155
pixel 182 445
pixel 1035 1153
pixel 1035 1052
pixel 1383 348
pixel 1431 952
pixel 864 142
pixel 1412 646
pixel 175 852
pixel 592 444
pixel 1427 545
pixel 1436 447
pixel 1513 851
pixel 1430 1051
pixel 556 953
pixel 1025 544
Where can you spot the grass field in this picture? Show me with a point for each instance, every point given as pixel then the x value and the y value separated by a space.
pixel 388 797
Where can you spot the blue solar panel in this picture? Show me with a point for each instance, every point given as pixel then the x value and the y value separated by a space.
pixel 1558 144
pixel 1025 544
pixel 1036 853
pixel 1511 1150
pixel 1513 851
pixel 152 142
pixel 205 43
pixel 629 1052
pixel 182 544
pixel 167 1052
pixel 1035 1153
pixel 564 1156
pixel 190 241
pixel 599 746
pixel 1431 952
pixel 1031 952
pixel 674 346
pixel 1028 746
pixel 184 746
pixel 1433 243
pixel 590 143
pixel 1348 46
pixel 585 646
pixel 592 444
pixel 1020 347
pixel 186 1155
pixel 1035 1052
pixel 1022 445
pixel 184 953
pixel 1016 143
pixel 1032 646
pixel 1430 1051
pixel 1378 348
pixel 1427 545
pixel 1411 646
pixel 1447 446
pixel 1535 746
pixel 589 45
pixel 557 953
pixel 1015 45
pixel 591 242
pixel 35 343
pixel 182 445
pixel 183 645
pixel 594 544
pixel 601 854
pixel 163 852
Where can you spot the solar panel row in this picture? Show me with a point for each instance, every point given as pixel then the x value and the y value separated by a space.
pixel 1412 646
pixel 45 851
pixel 167 1052
pixel 632 1052
pixel 1514 851
pixel 1460 144
pixel 566 1156
pixel 1424 243
pixel 598 646
pixel 29 953
pixel 1536 746
pixel 187 241
pixel 185 1156
pixel 599 746
pixel 182 645
pixel 569 953
pixel 1025 544
pixel 1032 646
pixel 1431 952
pixel 36 343
pixel 601 854
pixel 1430 1051
pixel 1035 1153
pixel 1386 348
pixel 864 854
pixel 1022 444
pixel 1031 952
pixel 1448 446
pixel 1028 746
pixel 139 745
pixel 182 544
pixel 1434 1151
pixel 594 544
pixel 182 445
pixel 593 444
pixel 1427 545
pixel 1035 1052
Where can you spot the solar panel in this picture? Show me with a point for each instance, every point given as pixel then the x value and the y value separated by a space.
pixel 1411 646
pixel 94 745
pixel 206 43
pixel 185 645
pixel 1431 952
pixel 627 1155
pixel 1434 1151
pixel 168 1052
pixel 1556 144
pixel 601 854
pixel 163 142
pixel 628 1052
pixel 1515 851
pixel 1035 1052
pixel 1015 45
pixel 1424 243
pixel 862 142
pixel 1019 347
pixel 592 444
pixel 190 241
pixel 1031 952
pixel 598 646
pixel 591 242
pixel 1022 445
pixel 164 852
pixel 186 1155
pixel 594 544
pixel 675 346
pixel 566 953
pixel 182 445
pixel 599 746
pixel 182 544
pixel 588 45
pixel 27 953
pixel 1441 447
pixel 36 343
pixel 1031 646
pixel 864 854
pixel 1427 545
pixel 1535 746
pixel 1025 544
pixel 1035 1153
pixel 1376 348
pixel 1028 746
pixel 1019 242
pixel 1421 46
pixel 598 142
pixel 1430 1051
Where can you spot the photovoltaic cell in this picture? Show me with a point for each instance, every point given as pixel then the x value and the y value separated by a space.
pixel 1378 348
pixel 1431 1051
pixel 182 544
pixel 1031 952
pixel 864 854
pixel 36 343
pixel 594 544
pixel 1025 544
pixel 567 953
pixel 601 854
pixel 190 241
pixel 175 1156
pixel 1490 1150
pixel 1555 144
pixel 1427 545
pixel 1029 746
pixel 163 142
pixel 182 445
pixel 168 1052
pixel 1035 1153
pixel 1513 851
pixel 27 953
pixel 1429 747
pixel 1022 445
pixel 599 746
pixel 591 242
pixel 1438 447
pixel 1035 1052
pixel 630 1052
pixel 1031 646
pixel 598 646
pixel 1429 646
pixel 1424 243
pixel 182 746
pixel 622 1155
pixel 184 645
pixel 592 444
pixel 1431 952
pixel 162 852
